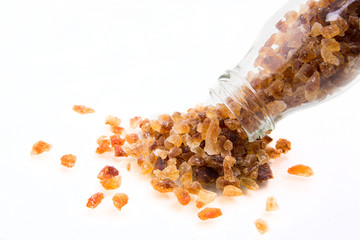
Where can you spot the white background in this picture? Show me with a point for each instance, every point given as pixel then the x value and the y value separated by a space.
pixel 130 58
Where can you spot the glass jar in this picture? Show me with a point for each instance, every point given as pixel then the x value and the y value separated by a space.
pixel 299 59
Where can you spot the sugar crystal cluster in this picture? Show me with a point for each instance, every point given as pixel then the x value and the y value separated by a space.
pixel 314 53
pixel 187 153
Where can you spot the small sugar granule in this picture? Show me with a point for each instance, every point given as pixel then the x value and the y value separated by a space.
pixel 212 133
pixel 117 129
pixel 119 151
pixel 95 200
pixel 330 31
pixel 199 204
pixel 112 120
pixel 272 152
pixel 209 213
pixel 301 170
pixel 276 107
pixel 193 187
pixel 182 195
pixel 174 152
pixel 111 183
pixel 249 183
pixel 316 29
pixel 103 145
pixel 83 109
pixel 40 147
pixel 232 191
pixel 163 185
pixel 271 204
pixel 132 138
pixel 107 172
pixel 283 145
pixel 261 225
pixel 116 140
pixel 206 196
pixel 120 200
pixel 135 122
pixel 68 160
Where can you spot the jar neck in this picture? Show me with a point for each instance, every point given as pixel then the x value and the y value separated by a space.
pixel 242 100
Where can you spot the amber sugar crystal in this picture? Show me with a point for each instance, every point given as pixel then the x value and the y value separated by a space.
pixel 116 140
pixel 95 200
pixel 283 145
pixel 83 109
pixel 120 200
pixel 163 185
pixel 261 225
pixel 209 213
pixel 232 191
pixel 301 170
pixel 68 160
pixel 117 129
pixel 111 183
pixel 109 178
pixel 271 204
pixel 182 195
pixel 132 138
pixel 104 145
pixel 40 147
pixel 135 122
pixel 112 120
pixel 107 172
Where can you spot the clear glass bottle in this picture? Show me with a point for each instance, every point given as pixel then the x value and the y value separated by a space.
pixel 308 51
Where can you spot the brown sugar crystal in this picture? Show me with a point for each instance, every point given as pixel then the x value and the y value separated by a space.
pixel 261 225
pixel 120 200
pixel 116 140
pixel 40 147
pixel 109 178
pixel 68 160
pixel 107 172
pixel 301 170
pixel 163 185
pixel 209 213
pixel 283 145
pixel 83 109
pixel 119 151
pixel 95 200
